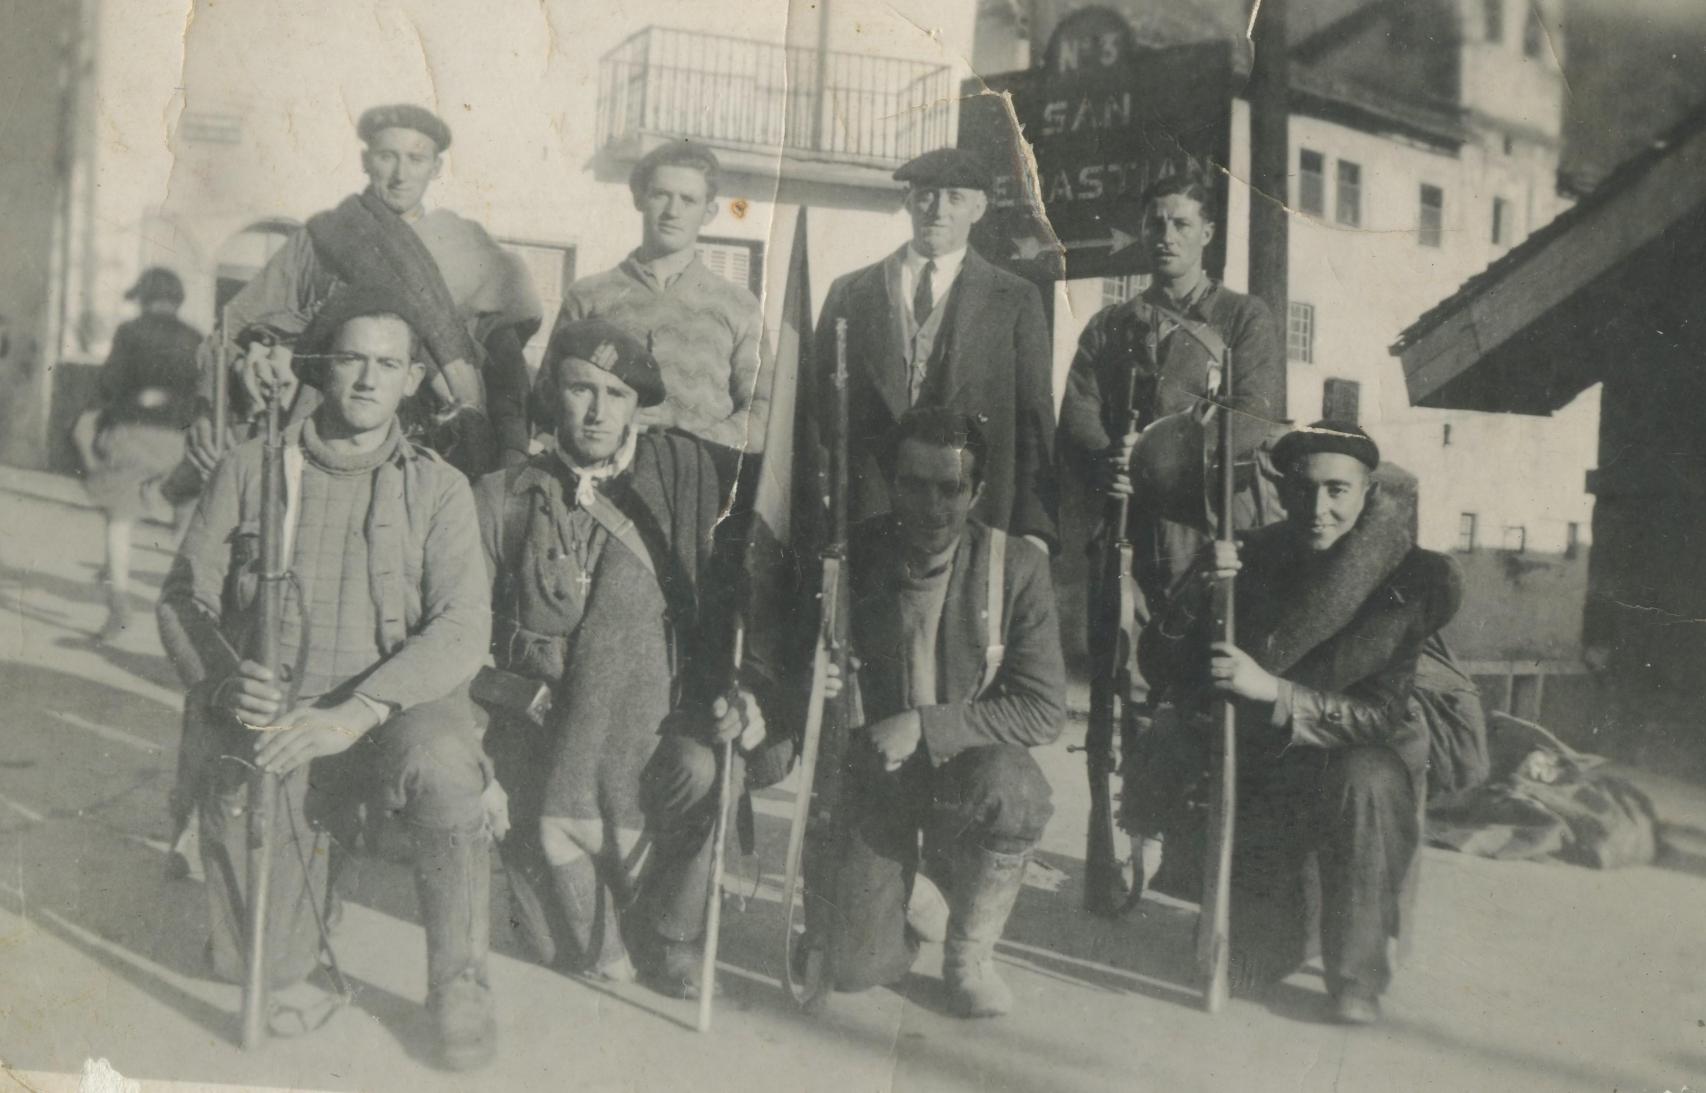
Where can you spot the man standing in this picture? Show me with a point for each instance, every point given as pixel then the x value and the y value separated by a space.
pixel 601 558
pixel 705 332
pixel 934 324
pixel 133 441
pixel 476 303
pixel 1333 606
pixel 960 674
pixel 1170 335
pixel 389 620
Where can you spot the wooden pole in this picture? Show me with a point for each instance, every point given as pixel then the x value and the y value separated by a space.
pixel 1270 165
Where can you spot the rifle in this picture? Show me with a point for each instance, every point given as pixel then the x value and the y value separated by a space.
pixel 719 837
pixel 817 798
pixel 1214 943
pixel 263 787
pixel 221 380
pixel 1105 891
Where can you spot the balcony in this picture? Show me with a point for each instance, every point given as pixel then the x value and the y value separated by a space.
pixel 812 115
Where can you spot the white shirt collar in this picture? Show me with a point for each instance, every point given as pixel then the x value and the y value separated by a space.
pixel 947 266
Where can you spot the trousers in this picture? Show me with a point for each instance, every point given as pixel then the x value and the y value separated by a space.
pixel 993 797
pixel 678 794
pixel 1354 810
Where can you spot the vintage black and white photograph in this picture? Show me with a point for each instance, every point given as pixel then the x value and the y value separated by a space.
pixel 853 545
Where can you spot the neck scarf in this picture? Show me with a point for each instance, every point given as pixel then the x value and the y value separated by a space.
pixel 589 476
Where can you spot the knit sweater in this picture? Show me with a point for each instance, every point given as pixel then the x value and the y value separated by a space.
pixel 330 563
pixel 707 336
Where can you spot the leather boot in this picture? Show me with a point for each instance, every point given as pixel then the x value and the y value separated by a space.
pixel 986 884
pixel 453 877
pixel 593 921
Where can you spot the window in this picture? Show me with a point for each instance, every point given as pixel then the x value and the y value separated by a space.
pixel 1300 332
pixel 1348 208
pixel 1117 290
pixel 1533 33
pixel 1572 539
pixel 1501 222
pixel 1445 435
pixel 737 260
pixel 1516 538
pixel 552 268
pixel 1493 20
pixel 1312 182
pixel 1432 231
pixel 1466 532
pixel 1510 144
pixel 1339 399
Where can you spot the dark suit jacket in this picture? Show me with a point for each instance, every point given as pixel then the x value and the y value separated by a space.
pixel 1026 703
pixel 992 359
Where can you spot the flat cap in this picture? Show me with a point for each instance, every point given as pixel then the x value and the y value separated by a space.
pixel 610 347
pixel 1340 437
pixel 954 167
pixel 403 115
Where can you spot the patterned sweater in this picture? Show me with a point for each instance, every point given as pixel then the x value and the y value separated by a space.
pixel 707 335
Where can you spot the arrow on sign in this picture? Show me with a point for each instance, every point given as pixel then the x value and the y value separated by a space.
pixel 1114 243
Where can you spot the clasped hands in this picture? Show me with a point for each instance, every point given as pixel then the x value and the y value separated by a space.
pixel 304 734
pixel 897 738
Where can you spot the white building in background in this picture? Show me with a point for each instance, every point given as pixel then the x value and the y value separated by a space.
pixel 197 145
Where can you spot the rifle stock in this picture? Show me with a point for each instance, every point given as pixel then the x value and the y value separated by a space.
pixel 263 787
pixel 818 796
pixel 1214 933
pixel 1111 685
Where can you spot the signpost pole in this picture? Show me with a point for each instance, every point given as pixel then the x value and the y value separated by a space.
pixel 1270 162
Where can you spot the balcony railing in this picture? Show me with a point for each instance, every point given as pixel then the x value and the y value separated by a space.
pixel 846 107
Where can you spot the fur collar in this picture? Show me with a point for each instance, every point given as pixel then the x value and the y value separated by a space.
pixel 1300 599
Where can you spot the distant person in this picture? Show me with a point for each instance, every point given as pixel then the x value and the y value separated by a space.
pixel 133 443
pixel 386 621
pixel 955 628
pixel 934 324
pixel 1333 608
pixel 476 302
pixel 705 332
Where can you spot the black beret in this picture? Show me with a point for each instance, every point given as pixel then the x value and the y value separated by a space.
pixel 157 283
pixel 947 167
pixel 350 301
pixel 1341 437
pixel 602 342
pixel 403 115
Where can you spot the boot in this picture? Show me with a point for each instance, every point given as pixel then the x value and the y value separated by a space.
pixel 677 969
pixel 118 617
pixel 453 877
pixel 593 921
pixel 986 885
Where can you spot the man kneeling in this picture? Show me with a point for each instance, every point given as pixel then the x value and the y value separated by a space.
pixel 1332 608
pixel 961 674
pixel 387 618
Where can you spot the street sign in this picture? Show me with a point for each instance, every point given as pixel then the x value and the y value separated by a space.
pixel 1104 118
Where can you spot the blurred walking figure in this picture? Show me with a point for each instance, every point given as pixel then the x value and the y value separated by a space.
pixel 133 441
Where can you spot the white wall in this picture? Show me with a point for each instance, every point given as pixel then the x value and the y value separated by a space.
pixel 517 80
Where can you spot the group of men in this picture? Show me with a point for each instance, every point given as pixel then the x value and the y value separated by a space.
pixel 463 539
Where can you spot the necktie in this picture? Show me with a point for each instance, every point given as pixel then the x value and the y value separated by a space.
pixel 924 296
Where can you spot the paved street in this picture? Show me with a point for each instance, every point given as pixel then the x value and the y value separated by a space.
pixel 1521 976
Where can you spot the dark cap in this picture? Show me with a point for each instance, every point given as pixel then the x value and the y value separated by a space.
pixel 946 167
pixel 403 115
pixel 1340 437
pixel 156 283
pixel 350 301
pixel 610 347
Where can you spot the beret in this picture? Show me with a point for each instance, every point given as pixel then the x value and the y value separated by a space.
pixel 403 115
pixel 954 167
pixel 351 301
pixel 1341 437
pixel 156 283
pixel 610 347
